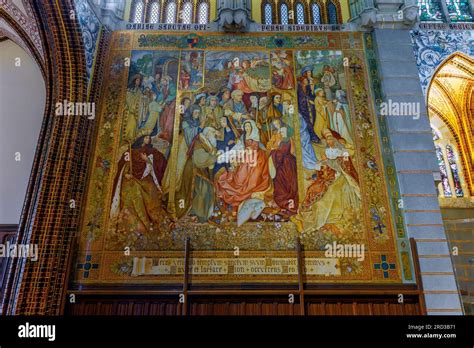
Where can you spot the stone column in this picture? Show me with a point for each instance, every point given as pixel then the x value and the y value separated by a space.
pixel 413 149
pixel 415 162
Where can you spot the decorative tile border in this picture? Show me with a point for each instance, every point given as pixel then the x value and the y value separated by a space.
pixel 432 47
pixel 388 162
pixel 28 23
pixel 91 30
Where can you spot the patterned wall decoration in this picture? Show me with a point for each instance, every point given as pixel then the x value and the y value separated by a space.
pixel 434 46
pixel 388 161
pixel 299 104
pixel 9 32
pixel 91 30
pixel 26 21
pixel 63 147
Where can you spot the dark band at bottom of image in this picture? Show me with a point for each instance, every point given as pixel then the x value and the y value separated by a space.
pixel 224 330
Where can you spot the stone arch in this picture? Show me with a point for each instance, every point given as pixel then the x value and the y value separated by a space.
pixel 274 11
pixel 20 36
pixel 450 97
pixel 58 172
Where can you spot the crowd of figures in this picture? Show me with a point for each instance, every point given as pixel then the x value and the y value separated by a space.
pixel 241 155
pixel 235 157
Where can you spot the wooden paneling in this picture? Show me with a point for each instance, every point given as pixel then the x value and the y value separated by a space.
pixel 242 305
pixel 245 305
pixel 323 299
pixel 160 306
pixel 357 306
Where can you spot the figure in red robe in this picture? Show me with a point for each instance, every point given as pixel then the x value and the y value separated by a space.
pixel 136 199
pixel 285 192
pixel 168 91
pixel 248 177
pixel 283 77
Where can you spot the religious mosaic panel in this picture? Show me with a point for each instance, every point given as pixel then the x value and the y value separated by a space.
pixel 243 144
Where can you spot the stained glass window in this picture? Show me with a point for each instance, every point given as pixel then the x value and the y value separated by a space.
pixel 316 13
pixel 268 12
pixel 299 13
pixel 454 171
pixel 443 172
pixel 284 13
pixel 155 12
pixel 171 12
pixel 436 135
pixel 186 13
pixel 458 10
pixel 203 12
pixel 332 13
pixel 138 11
pixel 430 10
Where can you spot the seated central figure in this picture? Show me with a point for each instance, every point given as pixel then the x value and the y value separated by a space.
pixel 248 177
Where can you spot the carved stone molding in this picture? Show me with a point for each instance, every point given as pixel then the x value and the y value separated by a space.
pixel 26 21
pixel 234 16
pixel 392 14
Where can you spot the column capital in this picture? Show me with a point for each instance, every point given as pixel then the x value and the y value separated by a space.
pixel 234 16
pixel 392 14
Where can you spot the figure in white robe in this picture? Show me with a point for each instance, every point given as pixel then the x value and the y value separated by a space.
pixel 340 120
pixel 309 157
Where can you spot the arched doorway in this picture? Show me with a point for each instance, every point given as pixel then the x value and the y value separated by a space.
pixel 62 147
pixel 450 101
pixel 22 105
pixel 21 123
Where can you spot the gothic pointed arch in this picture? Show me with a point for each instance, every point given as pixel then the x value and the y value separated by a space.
pixel 203 12
pixel 186 12
pixel 46 215
pixel 333 12
pixel 317 12
pixel 268 12
pixel 284 14
pixel 301 13
pixel 153 12
pixel 137 11
pixel 170 11
pixel 450 98
pixel 16 29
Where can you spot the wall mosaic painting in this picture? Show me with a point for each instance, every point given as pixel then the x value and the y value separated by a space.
pixel 90 29
pixel 242 149
pixel 432 47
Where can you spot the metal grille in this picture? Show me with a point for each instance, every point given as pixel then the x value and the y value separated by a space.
pixel 155 12
pixel 300 13
pixel 203 12
pixel 170 12
pixel 138 12
pixel 284 13
pixel 268 11
pixel 316 13
pixel 186 14
pixel 332 13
